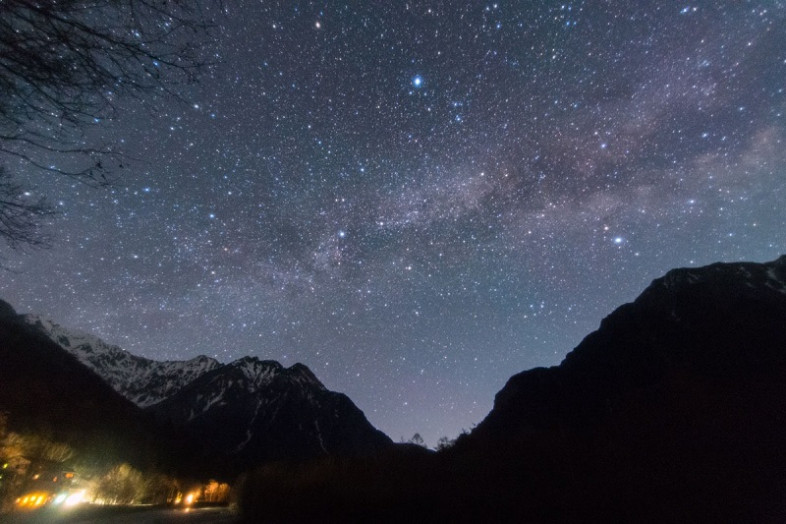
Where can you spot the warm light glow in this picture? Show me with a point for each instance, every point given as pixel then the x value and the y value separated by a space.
pixel 33 499
pixel 190 498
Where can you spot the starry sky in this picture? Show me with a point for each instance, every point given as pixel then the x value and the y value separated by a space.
pixel 419 199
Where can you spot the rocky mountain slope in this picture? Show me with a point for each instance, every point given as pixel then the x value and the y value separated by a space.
pixel 143 381
pixel 245 412
pixel 257 411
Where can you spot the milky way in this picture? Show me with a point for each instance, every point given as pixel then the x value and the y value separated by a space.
pixel 419 200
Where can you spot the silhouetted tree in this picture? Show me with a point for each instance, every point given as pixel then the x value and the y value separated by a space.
pixel 63 66
pixel 160 488
pixel 444 443
pixel 417 440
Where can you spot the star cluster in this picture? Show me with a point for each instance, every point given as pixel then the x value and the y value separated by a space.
pixel 418 200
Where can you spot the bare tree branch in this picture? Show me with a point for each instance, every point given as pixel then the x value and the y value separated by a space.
pixel 63 65
pixel 21 214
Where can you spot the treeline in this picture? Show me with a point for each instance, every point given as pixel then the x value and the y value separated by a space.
pixel 663 467
pixel 466 482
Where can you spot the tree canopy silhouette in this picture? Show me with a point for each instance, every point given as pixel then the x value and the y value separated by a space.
pixel 63 66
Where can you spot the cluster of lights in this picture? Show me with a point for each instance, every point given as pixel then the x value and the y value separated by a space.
pixel 33 500
pixel 36 499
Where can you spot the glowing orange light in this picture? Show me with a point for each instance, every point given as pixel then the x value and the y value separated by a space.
pixel 33 500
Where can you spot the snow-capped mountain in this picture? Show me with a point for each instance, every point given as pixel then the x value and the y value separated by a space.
pixel 257 410
pixel 245 412
pixel 246 376
pixel 143 381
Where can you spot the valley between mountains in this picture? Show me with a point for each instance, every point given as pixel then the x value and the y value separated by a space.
pixel 673 410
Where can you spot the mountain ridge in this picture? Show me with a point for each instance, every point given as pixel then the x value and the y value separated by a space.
pixel 247 410
pixel 142 380
pixel 691 320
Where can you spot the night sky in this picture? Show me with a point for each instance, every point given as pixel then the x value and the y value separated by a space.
pixel 418 200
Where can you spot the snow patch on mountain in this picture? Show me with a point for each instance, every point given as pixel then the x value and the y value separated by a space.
pixel 147 382
pixel 246 410
pixel 258 372
pixel 143 381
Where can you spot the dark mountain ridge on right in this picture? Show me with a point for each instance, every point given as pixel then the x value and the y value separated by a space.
pixel 719 323
pixel 673 410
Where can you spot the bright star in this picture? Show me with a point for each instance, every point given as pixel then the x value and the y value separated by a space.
pixel 417 81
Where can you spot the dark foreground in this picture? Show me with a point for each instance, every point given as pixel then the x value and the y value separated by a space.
pixel 126 515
